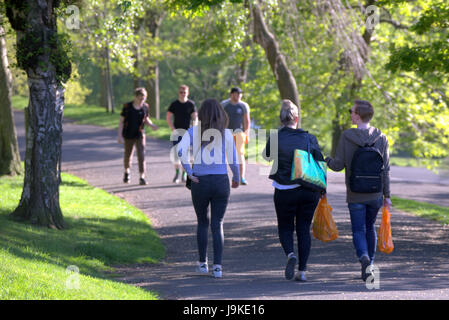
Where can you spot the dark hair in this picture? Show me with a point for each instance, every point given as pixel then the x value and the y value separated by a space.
pixel 364 109
pixel 212 116
pixel 236 89
pixel 140 92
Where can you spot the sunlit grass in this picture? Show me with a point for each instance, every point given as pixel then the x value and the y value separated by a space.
pixel 422 209
pixel 102 230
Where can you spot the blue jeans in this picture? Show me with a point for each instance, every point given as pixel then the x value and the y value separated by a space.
pixel 212 191
pixel 363 218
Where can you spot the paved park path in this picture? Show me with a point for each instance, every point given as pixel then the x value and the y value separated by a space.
pixel 253 261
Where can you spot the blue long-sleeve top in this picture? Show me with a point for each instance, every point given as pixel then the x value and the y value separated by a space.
pixel 213 157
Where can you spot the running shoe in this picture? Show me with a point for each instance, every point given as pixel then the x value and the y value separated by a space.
pixel 126 178
pixel 301 276
pixel 218 273
pixel 365 262
pixel 176 178
pixel 290 267
pixel 202 268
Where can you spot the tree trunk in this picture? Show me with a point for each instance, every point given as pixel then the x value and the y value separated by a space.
pixel 155 18
pixel 103 79
pixel 342 120
pixel 284 77
pixel 109 87
pixel 137 79
pixel 241 72
pixel 39 203
pixel 9 150
pixel 153 92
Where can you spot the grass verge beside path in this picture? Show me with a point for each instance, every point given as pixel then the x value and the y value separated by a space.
pixel 102 230
pixel 422 209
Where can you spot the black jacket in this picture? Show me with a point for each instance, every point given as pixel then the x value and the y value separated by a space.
pixel 288 140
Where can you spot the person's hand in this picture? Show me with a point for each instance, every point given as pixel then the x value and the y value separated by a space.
pixel 194 179
pixel 387 203
pixel 120 139
pixel 235 184
pixel 155 127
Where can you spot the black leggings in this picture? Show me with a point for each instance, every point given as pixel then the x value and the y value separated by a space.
pixel 212 189
pixel 295 204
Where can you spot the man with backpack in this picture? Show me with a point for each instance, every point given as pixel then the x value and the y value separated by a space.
pixel 363 153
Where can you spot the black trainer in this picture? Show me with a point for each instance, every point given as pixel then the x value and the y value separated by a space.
pixel 126 178
pixel 365 261
pixel 176 178
pixel 290 267
pixel 142 182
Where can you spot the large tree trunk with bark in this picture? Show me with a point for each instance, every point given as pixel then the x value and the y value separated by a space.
pixel 35 24
pixel 284 77
pixel 9 150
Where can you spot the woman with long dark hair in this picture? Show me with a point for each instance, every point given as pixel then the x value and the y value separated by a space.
pixel 213 148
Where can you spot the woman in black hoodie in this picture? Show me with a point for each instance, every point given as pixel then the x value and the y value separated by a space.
pixel 294 203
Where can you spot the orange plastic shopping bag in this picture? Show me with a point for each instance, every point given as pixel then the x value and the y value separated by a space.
pixel 324 227
pixel 384 239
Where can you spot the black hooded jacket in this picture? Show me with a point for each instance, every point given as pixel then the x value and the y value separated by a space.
pixel 288 140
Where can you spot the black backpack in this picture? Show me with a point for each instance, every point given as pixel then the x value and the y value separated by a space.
pixel 367 166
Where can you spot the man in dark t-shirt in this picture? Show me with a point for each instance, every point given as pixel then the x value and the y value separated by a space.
pixel 131 132
pixel 179 115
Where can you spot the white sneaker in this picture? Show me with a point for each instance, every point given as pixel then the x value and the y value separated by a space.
pixel 217 271
pixel 202 268
pixel 301 276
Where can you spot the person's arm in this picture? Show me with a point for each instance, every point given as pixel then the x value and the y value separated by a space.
pixel 231 153
pixel 150 123
pixel 316 150
pixel 169 120
pixel 183 148
pixel 194 117
pixel 337 163
pixel 266 152
pixel 246 122
pixel 120 130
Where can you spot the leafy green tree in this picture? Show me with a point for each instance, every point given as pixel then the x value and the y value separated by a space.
pixel 428 56
pixel 107 27
pixel 9 150
pixel 42 54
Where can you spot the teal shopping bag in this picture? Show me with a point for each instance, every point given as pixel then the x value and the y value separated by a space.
pixel 309 172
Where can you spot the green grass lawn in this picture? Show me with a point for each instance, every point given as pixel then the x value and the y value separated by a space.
pixel 102 231
pixel 422 209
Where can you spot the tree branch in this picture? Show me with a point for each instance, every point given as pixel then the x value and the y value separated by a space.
pixel 394 23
